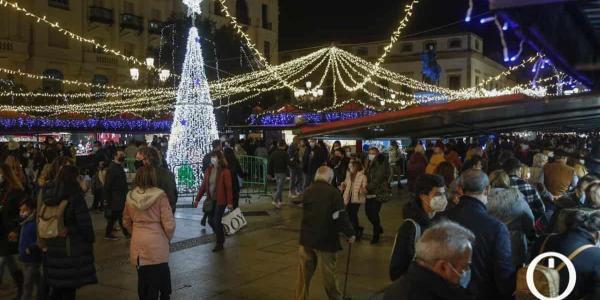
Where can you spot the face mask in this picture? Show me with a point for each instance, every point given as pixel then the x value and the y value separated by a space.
pixel 312 145
pixel 138 164
pixel 582 162
pixel 214 161
pixel 582 198
pixel 438 203
pixel 163 144
pixel 26 155
pixel 371 157
pixel 95 149
pixel 348 154
pixel 524 147
pixel 465 277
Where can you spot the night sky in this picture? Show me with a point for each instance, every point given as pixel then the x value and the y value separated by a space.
pixel 305 23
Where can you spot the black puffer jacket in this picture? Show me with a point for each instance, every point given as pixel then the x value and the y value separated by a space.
pixel 70 259
pixel 115 187
pixel 9 218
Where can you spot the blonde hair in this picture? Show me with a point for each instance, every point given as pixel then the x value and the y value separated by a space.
pixel 539 160
pixel 525 172
pixel 499 179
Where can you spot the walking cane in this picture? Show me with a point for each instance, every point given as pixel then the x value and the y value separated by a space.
pixel 347 270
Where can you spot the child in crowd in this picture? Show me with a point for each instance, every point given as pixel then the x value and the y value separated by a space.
pixel 29 252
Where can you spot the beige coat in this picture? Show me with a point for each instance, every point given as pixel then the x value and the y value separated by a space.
pixel 149 217
pixel 360 182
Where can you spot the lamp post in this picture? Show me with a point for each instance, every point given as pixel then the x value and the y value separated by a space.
pixel 134 73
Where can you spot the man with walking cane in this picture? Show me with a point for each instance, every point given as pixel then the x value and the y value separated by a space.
pixel 323 219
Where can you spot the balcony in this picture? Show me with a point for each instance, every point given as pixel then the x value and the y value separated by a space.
pixel 6 46
pixel 101 15
pixel 133 22
pixel 155 27
pixel 62 4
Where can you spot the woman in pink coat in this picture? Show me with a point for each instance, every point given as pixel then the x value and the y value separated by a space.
pixel 355 193
pixel 149 218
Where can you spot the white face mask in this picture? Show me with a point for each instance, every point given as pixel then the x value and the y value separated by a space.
pixel 214 161
pixel 438 203
pixel 371 157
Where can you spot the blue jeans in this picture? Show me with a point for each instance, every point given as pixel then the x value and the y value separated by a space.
pixel 280 180
pixel 296 180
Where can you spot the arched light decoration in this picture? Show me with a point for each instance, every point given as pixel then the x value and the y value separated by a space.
pixel 134 73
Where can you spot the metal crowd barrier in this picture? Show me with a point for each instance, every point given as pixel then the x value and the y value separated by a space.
pixel 254 180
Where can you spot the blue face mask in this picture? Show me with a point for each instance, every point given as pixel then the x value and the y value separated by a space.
pixel 582 199
pixel 465 277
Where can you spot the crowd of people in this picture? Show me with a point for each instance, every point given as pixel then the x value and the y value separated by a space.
pixel 45 220
pixel 476 214
pixel 472 224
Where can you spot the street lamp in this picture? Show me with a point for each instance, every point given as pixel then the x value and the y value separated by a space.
pixel 164 75
pixel 150 62
pixel 134 73
pixel 308 94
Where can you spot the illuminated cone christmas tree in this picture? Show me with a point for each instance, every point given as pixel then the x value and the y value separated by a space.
pixel 194 124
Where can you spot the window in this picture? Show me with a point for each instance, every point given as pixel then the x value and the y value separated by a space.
pixel 57 39
pixel 265 18
pixel 362 51
pixel 454 43
pixel 454 82
pixel 64 4
pixel 477 45
pixel 241 12
pixel 267 50
pixel 156 15
pixel 129 49
pixel 476 80
pixel 98 92
pixel 128 7
pixel 408 47
pixel 429 45
pixel 49 85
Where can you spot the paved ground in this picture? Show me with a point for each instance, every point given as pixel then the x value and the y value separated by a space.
pixel 259 262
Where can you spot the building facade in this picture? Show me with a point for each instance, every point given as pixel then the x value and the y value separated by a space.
pixel 131 26
pixel 460 57
pixel 260 19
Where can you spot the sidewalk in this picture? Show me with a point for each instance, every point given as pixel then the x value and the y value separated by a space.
pixel 259 262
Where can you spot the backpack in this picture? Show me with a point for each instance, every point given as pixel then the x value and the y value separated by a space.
pixel 546 280
pixel 417 234
pixel 51 220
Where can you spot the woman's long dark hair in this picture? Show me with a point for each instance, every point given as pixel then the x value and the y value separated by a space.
pixel 10 178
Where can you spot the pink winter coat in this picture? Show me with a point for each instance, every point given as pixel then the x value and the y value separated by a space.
pixel 360 181
pixel 149 217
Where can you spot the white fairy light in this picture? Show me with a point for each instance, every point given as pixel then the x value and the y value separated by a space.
pixel 194 123
pixel 194 5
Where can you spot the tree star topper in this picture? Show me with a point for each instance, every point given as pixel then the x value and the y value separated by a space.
pixel 193 5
